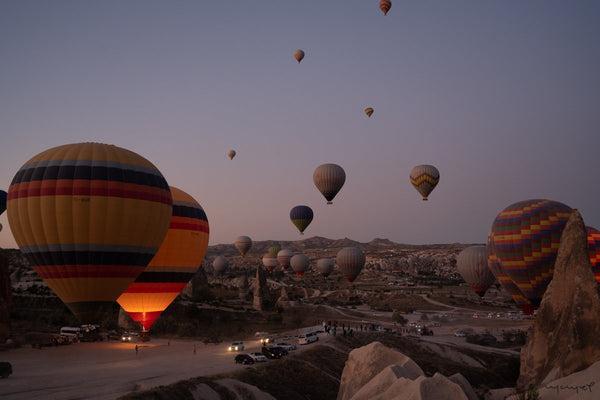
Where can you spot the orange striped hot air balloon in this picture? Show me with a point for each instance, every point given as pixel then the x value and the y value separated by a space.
pixel 593 239
pixel 384 6
pixel 525 238
pixel 89 217
pixel 424 178
pixel 174 265
pixel 243 244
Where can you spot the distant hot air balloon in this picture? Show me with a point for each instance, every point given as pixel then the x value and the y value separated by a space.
pixel 220 265
pixel 369 111
pixel 274 250
pixel 270 261
pixel 472 265
pixel 2 201
pixel 329 179
pixel 89 217
pixel 525 238
pixel 299 264
pixel 351 261
pixel 174 264
pixel 301 217
pixel 298 55
pixel 507 283
pixel 424 178
pixel 593 239
pixel 325 266
pixel 231 154
pixel 385 6
pixel 284 257
pixel 243 244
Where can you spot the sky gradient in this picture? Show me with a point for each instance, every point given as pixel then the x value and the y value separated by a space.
pixel 502 97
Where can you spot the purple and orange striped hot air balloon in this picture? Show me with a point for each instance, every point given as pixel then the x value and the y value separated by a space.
pixel 89 217
pixel 384 6
pixel 174 265
pixel 525 238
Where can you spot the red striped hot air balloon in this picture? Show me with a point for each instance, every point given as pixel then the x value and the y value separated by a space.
pixel 174 265
pixel 329 179
pixel 351 261
pixel 507 283
pixel 525 238
pixel 300 264
pixel 298 55
pixel 593 239
pixel 384 6
pixel 424 178
pixel 89 217
pixel 472 265
pixel 284 257
pixel 270 261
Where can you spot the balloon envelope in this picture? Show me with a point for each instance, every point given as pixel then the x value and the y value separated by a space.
pixel 593 239
pixel 298 55
pixel 325 266
pixel 301 217
pixel 89 217
pixel 174 264
pixel 299 264
pixel 270 261
pixel 284 257
pixel 274 250
pixel 243 244
pixel 384 6
pixel 424 178
pixel 525 238
pixel 472 265
pixel 220 265
pixel 231 154
pixel 351 261
pixel 329 179
pixel 369 111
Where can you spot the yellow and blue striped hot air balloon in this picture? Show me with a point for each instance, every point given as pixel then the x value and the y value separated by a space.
pixel 174 265
pixel 525 238
pixel 424 178
pixel 89 217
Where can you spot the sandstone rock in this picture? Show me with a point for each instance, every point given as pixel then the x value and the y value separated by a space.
pixel 243 391
pixel 125 322
pixel 260 287
pixel 204 392
pixel 368 361
pixel 566 330
pixel 243 289
pixel 464 385
pixel 421 388
pixel 380 383
pixel 283 301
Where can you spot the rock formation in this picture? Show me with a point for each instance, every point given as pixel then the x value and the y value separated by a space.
pixel 5 290
pixel 260 289
pixel 283 301
pixel 243 289
pixel 566 330
pixel 376 372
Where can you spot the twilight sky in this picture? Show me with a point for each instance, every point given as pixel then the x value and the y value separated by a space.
pixel 503 97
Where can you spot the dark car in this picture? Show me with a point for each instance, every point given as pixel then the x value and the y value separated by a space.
pixel 5 369
pixel 243 359
pixel 274 351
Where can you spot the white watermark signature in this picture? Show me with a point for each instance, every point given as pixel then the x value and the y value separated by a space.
pixel 575 388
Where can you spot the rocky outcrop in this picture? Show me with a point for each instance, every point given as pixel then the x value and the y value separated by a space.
pixel 5 290
pixel 260 289
pixel 283 301
pixel 243 289
pixel 566 330
pixel 376 372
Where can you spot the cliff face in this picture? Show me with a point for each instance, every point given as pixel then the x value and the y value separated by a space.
pixel 566 330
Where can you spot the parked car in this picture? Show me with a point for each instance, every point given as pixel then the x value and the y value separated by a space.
pixel 258 357
pixel 129 336
pixel 5 369
pixel 244 359
pixel 266 340
pixel 274 352
pixel 287 346
pixel 236 346
pixel 461 333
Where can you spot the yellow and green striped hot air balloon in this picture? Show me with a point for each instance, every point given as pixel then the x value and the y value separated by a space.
pixel 89 217
pixel 424 178
pixel 174 265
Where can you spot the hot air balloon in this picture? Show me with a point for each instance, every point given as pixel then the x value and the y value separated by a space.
pixel 472 265
pixel 301 216
pixel 2 201
pixel 508 285
pixel 369 111
pixel 220 265
pixel 89 217
pixel 325 266
pixel 329 179
pixel 270 261
pixel 424 178
pixel 243 244
pixel 525 238
pixel 299 264
pixel 173 266
pixel 274 250
pixel 284 257
pixel 231 154
pixel 593 239
pixel 385 6
pixel 351 261
pixel 298 55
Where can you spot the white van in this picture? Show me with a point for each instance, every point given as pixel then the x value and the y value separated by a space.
pixel 70 332
pixel 308 338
